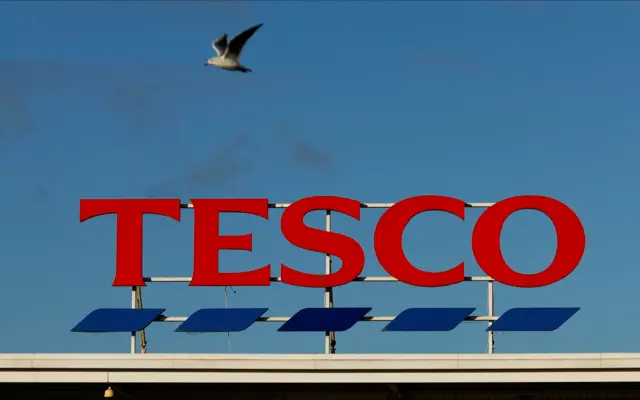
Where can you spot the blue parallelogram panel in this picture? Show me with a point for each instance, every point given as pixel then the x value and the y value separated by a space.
pixel 430 319
pixel 324 319
pixel 536 319
pixel 118 319
pixel 221 320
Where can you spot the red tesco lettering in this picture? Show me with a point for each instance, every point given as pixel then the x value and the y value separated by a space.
pixel 388 235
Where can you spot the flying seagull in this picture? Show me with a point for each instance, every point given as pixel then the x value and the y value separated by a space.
pixel 229 52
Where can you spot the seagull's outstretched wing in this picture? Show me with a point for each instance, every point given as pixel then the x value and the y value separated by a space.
pixel 234 48
pixel 220 44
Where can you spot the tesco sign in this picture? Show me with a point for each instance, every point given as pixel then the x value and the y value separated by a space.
pixel 388 234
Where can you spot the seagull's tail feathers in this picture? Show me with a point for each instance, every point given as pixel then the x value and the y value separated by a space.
pixel 245 70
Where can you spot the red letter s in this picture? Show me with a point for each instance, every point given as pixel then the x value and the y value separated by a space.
pixel 301 235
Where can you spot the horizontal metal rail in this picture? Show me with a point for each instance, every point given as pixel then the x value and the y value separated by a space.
pixel 329 302
pixel 362 205
pixel 167 279
pixel 471 318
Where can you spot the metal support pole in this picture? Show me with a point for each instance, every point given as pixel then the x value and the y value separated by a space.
pixel 490 314
pixel 143 334
pixel 329 337
pixel 133 305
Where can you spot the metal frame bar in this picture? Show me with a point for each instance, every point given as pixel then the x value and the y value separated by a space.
pixel 362 205
pixel 134 304
pixel 329 337
pixel 473 318
pixel 172 279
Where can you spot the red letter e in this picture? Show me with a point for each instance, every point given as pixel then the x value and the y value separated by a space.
pixel 207 242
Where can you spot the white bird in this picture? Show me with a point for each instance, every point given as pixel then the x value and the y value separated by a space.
pixel 229 52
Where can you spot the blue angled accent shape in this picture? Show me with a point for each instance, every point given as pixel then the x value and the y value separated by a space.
pixel 533 319
pixel 324 319
pixel 428 319
pixel 118 319
pixel 221 320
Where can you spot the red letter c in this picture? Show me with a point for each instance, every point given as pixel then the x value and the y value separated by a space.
pixel 387 240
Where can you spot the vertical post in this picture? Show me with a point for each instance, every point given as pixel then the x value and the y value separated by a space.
pixel 329 337
pixel 133 305
pixel 490 312
pixel 143 335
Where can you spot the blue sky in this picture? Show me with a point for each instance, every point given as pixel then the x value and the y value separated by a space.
pixel 376 101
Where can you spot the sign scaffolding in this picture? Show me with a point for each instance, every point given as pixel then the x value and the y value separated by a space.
pixel 330 319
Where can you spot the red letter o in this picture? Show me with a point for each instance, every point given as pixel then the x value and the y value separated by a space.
pixel 571 241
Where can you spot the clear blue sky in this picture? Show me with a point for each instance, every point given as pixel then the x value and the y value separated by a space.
pixel 377 101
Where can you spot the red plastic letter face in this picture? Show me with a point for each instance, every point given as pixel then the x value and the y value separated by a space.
pixel 344 247
pixel 570 244
pixel 388 240
pixel 129 231
pixel 208 241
